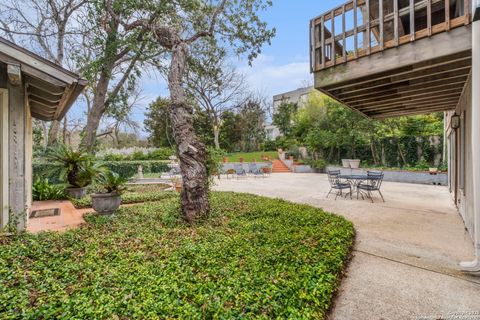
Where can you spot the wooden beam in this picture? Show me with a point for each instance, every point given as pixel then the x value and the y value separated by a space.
pixel 412 106
pixel 407 112
pixel 14 74
pixel 412 20
pixel 381 27
pixel 322 41
pixel 313 60
pixel 447 15
pixel 334 52
pixel 396 22
pixel 368 38
pixel 429 17
pixel 355 32
pixel 422 78
pixel 398 96
pixel 407 100
pixel 400 88
pixel 344 39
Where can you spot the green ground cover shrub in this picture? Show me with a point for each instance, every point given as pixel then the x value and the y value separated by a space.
pixel 254 258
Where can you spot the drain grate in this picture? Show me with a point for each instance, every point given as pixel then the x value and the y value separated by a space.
pixel 45 213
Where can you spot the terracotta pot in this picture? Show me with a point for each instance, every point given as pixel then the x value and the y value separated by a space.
pixel 106 203
pixel 241 160
pixel 178 186
pixel 76 193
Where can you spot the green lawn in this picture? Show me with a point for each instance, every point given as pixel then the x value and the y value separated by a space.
pixel 253 258
pixel 250 156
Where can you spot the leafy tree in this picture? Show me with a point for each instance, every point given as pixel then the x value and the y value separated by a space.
pixel 284 118
pixel 157 123
pixel 216 87
pixel 231 131
pixel 251 125
pixel 112 64
pixel 179 28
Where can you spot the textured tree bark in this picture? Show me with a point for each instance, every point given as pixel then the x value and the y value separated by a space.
pixel 216 136
pixel 190 150
pixel 53 133
pixel 97 109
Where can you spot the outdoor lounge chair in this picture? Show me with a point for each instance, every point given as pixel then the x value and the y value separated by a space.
pixel 240 171
pixel 254 170
pixel 374 182
pixel 337 184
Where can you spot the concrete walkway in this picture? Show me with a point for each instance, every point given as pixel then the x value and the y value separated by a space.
pixel 405 261
pixel 69 217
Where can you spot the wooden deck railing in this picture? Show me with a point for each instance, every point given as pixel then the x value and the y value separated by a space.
pixel 359 28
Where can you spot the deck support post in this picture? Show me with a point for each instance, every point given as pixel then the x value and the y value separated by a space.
pixel 474 266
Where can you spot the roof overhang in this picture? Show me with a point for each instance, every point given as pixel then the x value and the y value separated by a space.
pixel 51 90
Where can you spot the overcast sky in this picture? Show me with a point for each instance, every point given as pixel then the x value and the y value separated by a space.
pixel 282 66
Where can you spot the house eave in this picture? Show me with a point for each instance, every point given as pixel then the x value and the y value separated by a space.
pixel 51 89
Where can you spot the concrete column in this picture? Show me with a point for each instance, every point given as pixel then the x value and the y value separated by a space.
pixel 17 196
pixel 474 266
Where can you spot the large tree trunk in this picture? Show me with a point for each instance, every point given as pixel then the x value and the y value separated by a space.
pixel 216 136
pixel 190 150
pixel 97 110
pixel 53 133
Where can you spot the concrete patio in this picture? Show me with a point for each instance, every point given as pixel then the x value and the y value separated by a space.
pixel 405 261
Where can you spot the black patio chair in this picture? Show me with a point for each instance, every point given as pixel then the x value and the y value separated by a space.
pixel 240 171
pixel 373 183
pixel 337 184
pixel 254 170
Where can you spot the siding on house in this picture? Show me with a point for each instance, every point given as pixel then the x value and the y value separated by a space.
pixel 460 166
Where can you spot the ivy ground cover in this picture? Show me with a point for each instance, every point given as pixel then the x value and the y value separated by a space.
pixel 252 258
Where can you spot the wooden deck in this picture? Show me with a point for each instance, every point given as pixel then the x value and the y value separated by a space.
pixel 393 57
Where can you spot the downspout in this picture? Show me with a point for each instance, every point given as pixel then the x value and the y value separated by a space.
pixel 474 266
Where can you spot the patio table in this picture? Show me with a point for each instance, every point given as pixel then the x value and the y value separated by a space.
pixel 354 180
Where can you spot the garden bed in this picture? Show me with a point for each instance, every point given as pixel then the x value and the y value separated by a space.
pixel 134 194
pixel 253 258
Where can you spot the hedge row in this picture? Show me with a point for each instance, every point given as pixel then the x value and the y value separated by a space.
pixel 126 169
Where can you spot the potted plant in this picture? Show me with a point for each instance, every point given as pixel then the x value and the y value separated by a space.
pixel 76 167
pixel 107 199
